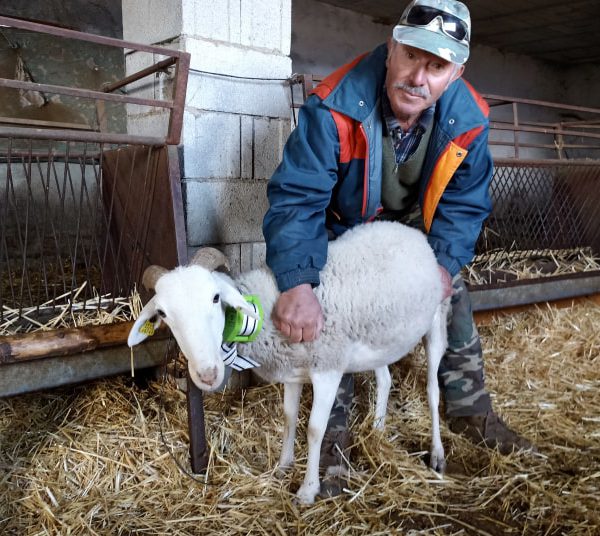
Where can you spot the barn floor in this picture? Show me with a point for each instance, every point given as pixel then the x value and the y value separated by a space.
pixel 92 460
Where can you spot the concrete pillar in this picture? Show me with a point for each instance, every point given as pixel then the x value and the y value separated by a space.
pixel 234 128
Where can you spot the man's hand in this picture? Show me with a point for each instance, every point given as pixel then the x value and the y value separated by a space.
pixel 297 314
pixel 446 282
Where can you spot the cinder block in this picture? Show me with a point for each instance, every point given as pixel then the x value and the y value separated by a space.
pixel 224 212
pixel 262 145
pixel 247 153
pixel 269 136
pixel 252 255
pixel 225 58
pixel 212 19
pixel 148 124
pixel 151 21
pixel 264 23
pixel 206 92
pixel 212 145
pixel 233 254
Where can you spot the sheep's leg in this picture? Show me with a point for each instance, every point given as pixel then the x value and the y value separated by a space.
pixel 436 341
pixel 383 380
pixel 325 384
pixel 291 404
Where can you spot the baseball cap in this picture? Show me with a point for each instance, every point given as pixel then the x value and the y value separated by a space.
pixel 441 27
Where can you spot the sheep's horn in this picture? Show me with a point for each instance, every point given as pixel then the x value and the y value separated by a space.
pixel 151 276
pixel 211 259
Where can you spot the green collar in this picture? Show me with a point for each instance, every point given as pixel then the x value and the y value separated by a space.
pixel 240 327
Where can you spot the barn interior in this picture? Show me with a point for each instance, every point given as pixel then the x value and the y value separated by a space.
pixel 109 113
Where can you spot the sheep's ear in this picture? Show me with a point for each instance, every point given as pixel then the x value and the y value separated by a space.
pixel 232 297
pixel 145 325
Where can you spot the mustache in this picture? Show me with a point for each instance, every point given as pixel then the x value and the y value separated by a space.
pixel 413 90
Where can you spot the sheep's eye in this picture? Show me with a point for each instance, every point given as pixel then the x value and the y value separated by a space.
pixel 216 298
pixel 161 313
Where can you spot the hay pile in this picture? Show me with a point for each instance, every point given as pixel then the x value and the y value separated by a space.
pixel 90 460
pixel 67 311
pixel 499 266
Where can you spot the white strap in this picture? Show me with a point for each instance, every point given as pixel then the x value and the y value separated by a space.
pixel 236 361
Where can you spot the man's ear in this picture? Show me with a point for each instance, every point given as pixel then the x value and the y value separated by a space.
pixel 459 72
pixel 390 46
pixel 145 325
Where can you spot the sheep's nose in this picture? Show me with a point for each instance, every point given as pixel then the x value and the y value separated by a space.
pixel 208 376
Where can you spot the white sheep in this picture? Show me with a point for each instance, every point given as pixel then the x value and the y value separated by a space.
pixel 381 293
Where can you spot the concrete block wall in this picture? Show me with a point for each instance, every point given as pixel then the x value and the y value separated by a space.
pixel 235 124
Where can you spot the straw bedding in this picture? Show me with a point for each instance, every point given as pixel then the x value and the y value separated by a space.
pixel 91 460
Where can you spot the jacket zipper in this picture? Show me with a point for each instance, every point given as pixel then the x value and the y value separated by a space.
pixel 366 175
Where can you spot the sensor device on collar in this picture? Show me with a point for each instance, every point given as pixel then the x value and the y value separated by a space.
pixel 240 327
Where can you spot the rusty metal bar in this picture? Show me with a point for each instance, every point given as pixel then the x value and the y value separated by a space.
pixel 547 162
pixel 528 292
pixel 161 65
pixel 48 156
pixel 84 93
pixel 516 125
pixel 69 135
pixel 584 134
pixel 91 38
pixel 509 100
pixel 543 145
pixel 179 90
pixel 40 123
pixel 178 208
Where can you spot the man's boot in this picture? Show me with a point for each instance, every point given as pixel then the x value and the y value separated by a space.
pixel 334 462
pixel 490 430
pixel 335 449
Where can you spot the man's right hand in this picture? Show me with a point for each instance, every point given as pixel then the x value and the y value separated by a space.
pixel 297 314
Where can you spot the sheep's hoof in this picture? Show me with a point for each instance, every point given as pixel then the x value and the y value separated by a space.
pixel 438 463
pixel 306 494
pixel 283 470
pixel 379 424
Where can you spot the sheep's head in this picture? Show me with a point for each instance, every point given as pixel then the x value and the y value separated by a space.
pixel 191 300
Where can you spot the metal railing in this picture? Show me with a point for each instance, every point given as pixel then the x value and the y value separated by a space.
pixel 555 136
pixel 174 58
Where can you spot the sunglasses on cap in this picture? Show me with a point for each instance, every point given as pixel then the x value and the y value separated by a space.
pixel 452 26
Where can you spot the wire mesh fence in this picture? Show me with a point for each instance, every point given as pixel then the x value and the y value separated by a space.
pixel 74 224
pixel 545 212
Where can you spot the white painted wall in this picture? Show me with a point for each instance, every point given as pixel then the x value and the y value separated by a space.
pixel 234 127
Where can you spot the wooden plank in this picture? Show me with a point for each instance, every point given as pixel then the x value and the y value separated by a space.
pixel 28 376
pixel 62 342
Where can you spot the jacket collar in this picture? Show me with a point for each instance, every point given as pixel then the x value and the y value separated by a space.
pixel 358 92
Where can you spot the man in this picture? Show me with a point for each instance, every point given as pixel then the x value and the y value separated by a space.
pixel 396 134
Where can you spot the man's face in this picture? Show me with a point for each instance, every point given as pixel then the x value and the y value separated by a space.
pixel 416 79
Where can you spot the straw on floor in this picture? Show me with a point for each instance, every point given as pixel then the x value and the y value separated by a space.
pixel 91 460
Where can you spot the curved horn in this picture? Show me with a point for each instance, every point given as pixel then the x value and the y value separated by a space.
pixel 211 259
pixel 151 276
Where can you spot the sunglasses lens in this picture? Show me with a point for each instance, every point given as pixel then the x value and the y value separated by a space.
pixel 421 15
pixel 451 25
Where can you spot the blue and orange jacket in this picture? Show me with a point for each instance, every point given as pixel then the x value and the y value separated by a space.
pixel 330 174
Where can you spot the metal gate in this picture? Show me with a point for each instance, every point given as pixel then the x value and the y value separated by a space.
pixel 82 212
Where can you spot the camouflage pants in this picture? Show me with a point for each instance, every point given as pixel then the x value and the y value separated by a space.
pixel 460 375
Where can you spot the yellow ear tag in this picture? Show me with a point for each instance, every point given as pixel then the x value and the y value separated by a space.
pixel 147 328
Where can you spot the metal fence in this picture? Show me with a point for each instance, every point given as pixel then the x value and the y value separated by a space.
pixel 541 207
pixel 78 223
pixel 76 204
